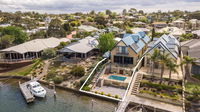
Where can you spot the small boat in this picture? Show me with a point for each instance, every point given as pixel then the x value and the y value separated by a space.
pixel 36 89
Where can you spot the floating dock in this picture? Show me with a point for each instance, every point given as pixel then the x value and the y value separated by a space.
pixel 26 92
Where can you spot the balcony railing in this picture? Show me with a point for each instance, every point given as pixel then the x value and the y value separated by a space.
pixel 122 53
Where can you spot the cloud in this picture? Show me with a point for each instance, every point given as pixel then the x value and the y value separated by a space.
pixel 63 6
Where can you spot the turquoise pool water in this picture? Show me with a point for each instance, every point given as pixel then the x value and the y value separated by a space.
pixel 115 77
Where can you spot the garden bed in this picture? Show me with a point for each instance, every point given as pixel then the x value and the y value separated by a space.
pixel 192 94
pixel 70 74
pixel 167 91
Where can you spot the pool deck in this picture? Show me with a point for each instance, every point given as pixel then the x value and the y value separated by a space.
pixel 111 90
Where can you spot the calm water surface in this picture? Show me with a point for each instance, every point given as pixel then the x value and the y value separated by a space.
pixel 11 100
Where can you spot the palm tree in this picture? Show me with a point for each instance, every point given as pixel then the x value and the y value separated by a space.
pixel 171 65
pixel 188 61
pixel 154 58
pixel 163 59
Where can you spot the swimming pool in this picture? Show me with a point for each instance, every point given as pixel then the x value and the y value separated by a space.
pixel 115 77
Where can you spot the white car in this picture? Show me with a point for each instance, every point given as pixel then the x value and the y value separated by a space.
pixel 36 89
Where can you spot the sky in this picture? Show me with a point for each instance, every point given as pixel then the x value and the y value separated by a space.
pixel 70 6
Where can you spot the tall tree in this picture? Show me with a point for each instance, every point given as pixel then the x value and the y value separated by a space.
pixel 153 34
pixel 172 66
pixel 188 61
pixel 163 60
pixel 55 28
pixel 6 41
pixel 17 33
pixel 108 12
pixel 106 42
pixel 100 20
pixel 67 26
pixel 154 58
pixel 124 12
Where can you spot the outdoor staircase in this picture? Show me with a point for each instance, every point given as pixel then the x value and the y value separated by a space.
pixel 136 84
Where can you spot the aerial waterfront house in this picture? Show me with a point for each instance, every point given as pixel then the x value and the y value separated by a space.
pixel 128 50
pixel 81 49
pixel 29 50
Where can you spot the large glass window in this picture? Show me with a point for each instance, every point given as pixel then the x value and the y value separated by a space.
pixel 123 60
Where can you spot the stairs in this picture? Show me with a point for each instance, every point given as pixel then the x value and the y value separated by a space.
pixel 136 84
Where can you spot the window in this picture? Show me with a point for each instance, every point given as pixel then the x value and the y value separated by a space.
pixel 128 60
pixel 118 59
pixel 123 60
pixel 123 50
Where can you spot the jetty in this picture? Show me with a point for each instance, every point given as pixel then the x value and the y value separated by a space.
pixel 29 97
pixel 26 92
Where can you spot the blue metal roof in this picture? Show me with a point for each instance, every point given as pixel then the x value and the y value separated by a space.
pixel 134 41
pixel 144 37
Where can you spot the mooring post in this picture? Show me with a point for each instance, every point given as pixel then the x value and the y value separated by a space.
pixel 54 89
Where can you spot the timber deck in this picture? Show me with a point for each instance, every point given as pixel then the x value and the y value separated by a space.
pixel 26 92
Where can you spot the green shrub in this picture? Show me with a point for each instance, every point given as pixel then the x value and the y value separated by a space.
pixel 157 86
pixel 78 71
pixel 109 94
pixel 86 88
pixel 58 79
pixel 116 96
pixel 96 92
pixel 102 93
pixel 48 53
pixel 51 75
pixel 62 45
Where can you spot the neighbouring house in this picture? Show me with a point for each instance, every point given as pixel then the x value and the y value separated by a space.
pixel 159 24
pixel 196 33
pixel 175 31
pixel 113 29
pixel 140 24
pixel 129 49
pixel 192 48
pixel 167 44
pixel 180 23
pixel 81 49
pixel 195 24
pixel 29 50
pixel 136 30
pixel 87 28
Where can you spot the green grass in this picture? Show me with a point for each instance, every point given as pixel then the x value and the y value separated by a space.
pixel 23 71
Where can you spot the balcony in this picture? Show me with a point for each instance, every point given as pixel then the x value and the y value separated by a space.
pixel 122 53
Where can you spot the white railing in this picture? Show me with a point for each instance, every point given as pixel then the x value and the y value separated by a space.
pixel 133 74
pixel 15 60
pixel 92 73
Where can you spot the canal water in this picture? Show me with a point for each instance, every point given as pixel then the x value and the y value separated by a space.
pixel 11 100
